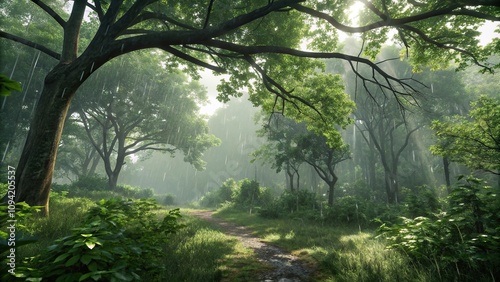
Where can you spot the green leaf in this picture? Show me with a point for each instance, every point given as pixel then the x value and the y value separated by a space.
pixel 90 245
pixel 7 85
pixel 61 258
pixel 86 259
pixel 72 261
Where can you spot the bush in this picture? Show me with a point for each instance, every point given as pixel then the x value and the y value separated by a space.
pixel 421 201
pixel 119 239
pixel 168 200
pixel 91 183
pixel 462 244
pixel 301 201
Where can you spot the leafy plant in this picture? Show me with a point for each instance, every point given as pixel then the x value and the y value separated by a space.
pixel 118 239
pixel 459 243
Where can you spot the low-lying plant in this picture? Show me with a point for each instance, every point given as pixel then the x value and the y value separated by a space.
pixel 118 239
pixel 460 244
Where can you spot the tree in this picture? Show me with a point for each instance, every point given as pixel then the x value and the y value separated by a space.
pixel 291 144
pixel 148 110
pixel 473 141
pixel 383 126
pixel 282 150
pixel 316 152
pixel 253 41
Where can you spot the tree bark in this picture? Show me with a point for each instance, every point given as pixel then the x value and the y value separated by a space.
pixel 331 190
pixel 36 165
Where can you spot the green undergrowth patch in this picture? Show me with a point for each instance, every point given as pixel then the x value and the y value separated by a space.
pixel 338 253
pixel 201 252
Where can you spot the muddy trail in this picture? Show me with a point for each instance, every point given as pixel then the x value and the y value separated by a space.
pixel 285 267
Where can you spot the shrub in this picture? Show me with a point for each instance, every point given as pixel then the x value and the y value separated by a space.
pixel 460 244
pixel 249 192
pixel 91 183
pixel 118 239
pixel 168 200
pixel 421 201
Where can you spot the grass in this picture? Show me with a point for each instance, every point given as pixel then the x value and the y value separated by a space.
pixel 198 252
pixel 339 253
pixel 65 214
pixel 201 252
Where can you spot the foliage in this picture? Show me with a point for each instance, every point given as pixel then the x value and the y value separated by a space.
pixel 168 200
pixel 473 141
pixel 462 243
pixel 291 203
pixel 243 194
pixel 21 213
pixel 91 183
pixel 96 187
pixel 118 239
pixel 8 85
pixel 421 201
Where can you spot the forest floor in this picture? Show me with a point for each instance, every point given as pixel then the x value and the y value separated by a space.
pixel 284 267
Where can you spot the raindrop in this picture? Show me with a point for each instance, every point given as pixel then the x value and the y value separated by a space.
pixel 413 153
pixel 81 76
pixel 92 67
pixel 6 150
pixel 64 91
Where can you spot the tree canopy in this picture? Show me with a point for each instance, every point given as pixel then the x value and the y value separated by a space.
pixel 473 140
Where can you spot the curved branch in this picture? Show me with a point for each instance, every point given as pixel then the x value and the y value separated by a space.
pixel 51 12
pixel 475 14
pixel 31 44
pixel 383 23
pixel 251 50
pixel 160 17
pixel 98 9
pixel 191 59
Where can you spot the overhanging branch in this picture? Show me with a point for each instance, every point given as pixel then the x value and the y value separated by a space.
pixel 31 44
pixel 51 12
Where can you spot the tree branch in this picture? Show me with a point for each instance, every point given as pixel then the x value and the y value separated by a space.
pixel 193 60
pixel 51 12
pixel 31 44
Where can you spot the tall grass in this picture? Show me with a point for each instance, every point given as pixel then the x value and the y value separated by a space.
pixel 339 253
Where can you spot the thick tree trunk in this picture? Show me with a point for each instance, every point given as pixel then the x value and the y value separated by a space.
pixel 36 165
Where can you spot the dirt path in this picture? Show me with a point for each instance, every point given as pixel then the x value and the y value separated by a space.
pixel 286 267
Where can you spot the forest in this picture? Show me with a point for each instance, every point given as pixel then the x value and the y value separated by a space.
pixel 283 140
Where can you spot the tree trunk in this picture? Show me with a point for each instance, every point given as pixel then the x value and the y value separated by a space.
pixel 36 165
pixel 331 189
pixel 391 186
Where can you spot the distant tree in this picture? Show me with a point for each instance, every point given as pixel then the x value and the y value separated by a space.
pixel 282 151
pixel 147 110
pixel 254 41
pixel 316 151
pixel 473 140
pixel 291 144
